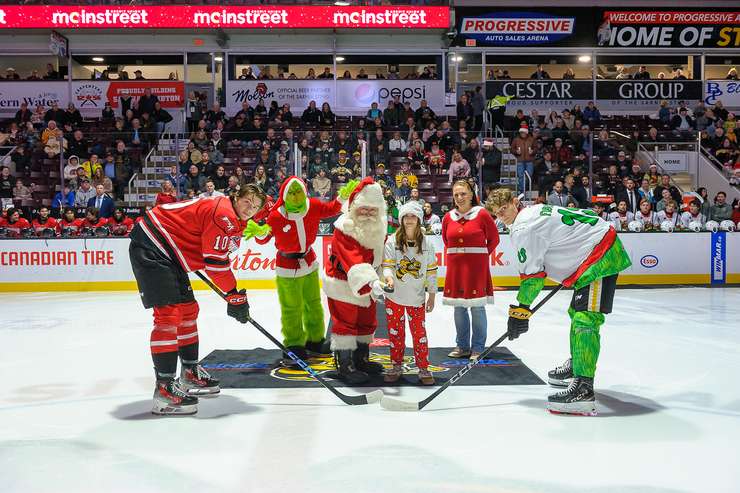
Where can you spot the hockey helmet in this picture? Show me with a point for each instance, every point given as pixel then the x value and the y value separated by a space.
pixel 635 226
pixel 727 225
pixel 46 233
pixel 712 226
pixel 102 231
pixel 695 226
pixel 666 226
pixel 87 231
pixel 27 233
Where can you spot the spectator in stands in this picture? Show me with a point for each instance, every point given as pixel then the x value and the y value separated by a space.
pixel 591 114
pixel 54 113
pixel 167 195
pixel 630 196
pixel 101 202
pixel 136 137
pixel 727 153
pixel 160 117
pixel 678 75
pixel 11 74
pixel 311 74
pixel 91 166
pixel 622 73
pixel 261 179
pixel 327 117
pixel 361 74
pixel 247 74
pixel 326 74
pixel 233 186
pixel 665 183
pixel 346 75
pixel 435 158
pixel 99 178
pixel 682 124
pixel 21 159
pixel 78 145
pixel 403 191
pixel 311 115
pixel 540 73
pixel 645 192
pixel 569 74
pixel 522 147
pixel 721 210
pixel 381 176
pixel 219 179
pixel 65 198
pixel 210 191
pixel 23 115
pixel 642 73
pixel 490 163
pixel 430 218
pixel 558 196
pixel 20 191
pixel 195 180
pixel 652 176
pixel 560 154
pixel 84 193
pixel 321 185
pixel 72 117
pixel 424 115
pixel 51 73
pixel 405 171
pixel 465 112
pixel 665 197
pixel 459 168
pixel 665 112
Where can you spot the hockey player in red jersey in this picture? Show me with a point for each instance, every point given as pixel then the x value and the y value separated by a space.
pixel 93 224
pixel 44 225
pixel 172 240
pixel 119 224
pixel 69 225
pixel 13 223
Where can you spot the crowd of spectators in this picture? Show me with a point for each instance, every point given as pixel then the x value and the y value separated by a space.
pixel 427 72
pixel 622 73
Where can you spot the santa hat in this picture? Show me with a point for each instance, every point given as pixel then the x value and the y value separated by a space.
pixel 524 128
pixel 412 207
pixel 367 194
pixel 280 202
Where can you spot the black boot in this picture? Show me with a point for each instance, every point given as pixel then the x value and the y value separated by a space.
pixel 362 360
pixel 346 370
pixel 578 398
pixel 299 351
pixel 318 348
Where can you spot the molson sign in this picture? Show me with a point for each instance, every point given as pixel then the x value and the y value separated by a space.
pixel 660 28
pixel 192 16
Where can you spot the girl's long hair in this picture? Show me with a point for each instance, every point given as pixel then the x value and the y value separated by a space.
pixel 465 183
pixel 402 239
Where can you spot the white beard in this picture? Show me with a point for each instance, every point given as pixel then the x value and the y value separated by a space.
pixel 369 232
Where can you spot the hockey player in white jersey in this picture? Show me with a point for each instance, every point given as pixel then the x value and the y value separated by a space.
pixel 575 248
pixel 693 215
pixel 621 217
pixel 670 214
pixel 647 216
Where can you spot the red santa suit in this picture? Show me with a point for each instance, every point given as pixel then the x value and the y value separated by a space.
pixel 469 241
pixel 355 259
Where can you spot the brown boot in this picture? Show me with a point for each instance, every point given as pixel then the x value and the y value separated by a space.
pixel 392 375
pixel 426 377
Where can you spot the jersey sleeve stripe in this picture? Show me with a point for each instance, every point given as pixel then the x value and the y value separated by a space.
pixel 215 261
pixel 538 275
pixel 218 269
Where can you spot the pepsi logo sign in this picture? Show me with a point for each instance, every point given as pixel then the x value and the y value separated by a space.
pixel 649 261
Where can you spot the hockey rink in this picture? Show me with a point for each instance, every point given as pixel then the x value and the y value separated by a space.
pixel 78 385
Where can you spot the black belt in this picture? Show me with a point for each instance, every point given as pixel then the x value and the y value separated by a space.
pixel 294 256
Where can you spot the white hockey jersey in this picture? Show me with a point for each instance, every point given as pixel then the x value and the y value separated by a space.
pixel 651 218
pixel 663 217
pixel 687 218
pixel 413 273
pixel 558 242
pixel 620 222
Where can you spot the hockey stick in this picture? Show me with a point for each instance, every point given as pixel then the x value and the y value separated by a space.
pixel 352 400
pixel 397 405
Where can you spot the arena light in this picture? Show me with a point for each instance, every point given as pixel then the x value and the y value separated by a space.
pixel 339 59
pixel 584 58
pixel 457 58
pixel 341 4
pixel 98 59
pixel 218 58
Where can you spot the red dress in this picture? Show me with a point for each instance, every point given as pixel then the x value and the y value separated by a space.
pixel 469 240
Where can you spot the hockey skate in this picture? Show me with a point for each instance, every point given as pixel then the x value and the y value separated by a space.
pixel 577 399
pixel 561 376
pixel 362 360
pixel 170 399
pixel 196 381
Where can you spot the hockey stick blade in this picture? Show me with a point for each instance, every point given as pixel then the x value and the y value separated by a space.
pixel 391 404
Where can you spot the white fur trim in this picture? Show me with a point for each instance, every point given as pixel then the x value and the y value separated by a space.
pixel 366 339
pixel 348 225
pixel 339 343
pixel 359 276
pixel 411 207
pixel 370 195
pixel 468 302
pixel 470 215
pixel 339 290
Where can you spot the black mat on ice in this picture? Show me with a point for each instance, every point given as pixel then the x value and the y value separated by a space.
pixel 260 368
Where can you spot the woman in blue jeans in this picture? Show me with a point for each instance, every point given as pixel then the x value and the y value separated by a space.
pixel 470 237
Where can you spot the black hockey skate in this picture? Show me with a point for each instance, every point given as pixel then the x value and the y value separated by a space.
pixel 578 398
pixel 362 360
pixel 299 351
pixel 346 371
pixel 562 375
pixel 318 349
pixel 170 399
pixel 196 381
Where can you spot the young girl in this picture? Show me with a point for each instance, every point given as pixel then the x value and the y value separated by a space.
pixel 410 267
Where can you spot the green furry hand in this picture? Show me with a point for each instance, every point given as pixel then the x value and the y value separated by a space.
pixel 347 190
pixel 255 230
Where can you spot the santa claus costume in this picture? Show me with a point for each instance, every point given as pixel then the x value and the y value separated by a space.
pixel 352 283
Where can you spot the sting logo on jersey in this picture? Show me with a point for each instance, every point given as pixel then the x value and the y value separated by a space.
pixel 228 224
pixel 408 266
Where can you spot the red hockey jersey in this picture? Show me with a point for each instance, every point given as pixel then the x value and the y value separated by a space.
pixel 200 233
pixel 120 229
pixel 73 226
pixel 38 227
pixel 14 229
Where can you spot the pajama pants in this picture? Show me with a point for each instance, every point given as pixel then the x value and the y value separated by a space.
pixel 395 314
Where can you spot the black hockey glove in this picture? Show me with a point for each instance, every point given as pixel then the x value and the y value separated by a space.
pixel 518 322
pixel 238 306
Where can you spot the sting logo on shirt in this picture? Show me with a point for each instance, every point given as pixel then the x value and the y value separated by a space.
pixel 408 266
pixel 521 255
pixel 227 224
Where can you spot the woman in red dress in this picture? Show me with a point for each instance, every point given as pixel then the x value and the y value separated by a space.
pixel 470 237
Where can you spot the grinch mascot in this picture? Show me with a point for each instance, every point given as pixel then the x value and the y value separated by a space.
pixel 294 223
pixel 351 281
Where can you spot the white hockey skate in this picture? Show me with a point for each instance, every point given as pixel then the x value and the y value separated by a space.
pixel 561 376
pixel 196 381
pixel 170 399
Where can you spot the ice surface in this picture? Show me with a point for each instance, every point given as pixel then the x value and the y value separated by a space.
pixel 78 381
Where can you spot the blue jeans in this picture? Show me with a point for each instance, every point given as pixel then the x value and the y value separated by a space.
pixel 480 326
pixel 520 168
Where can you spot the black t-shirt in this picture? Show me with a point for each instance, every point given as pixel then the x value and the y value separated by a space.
pixel 6 187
